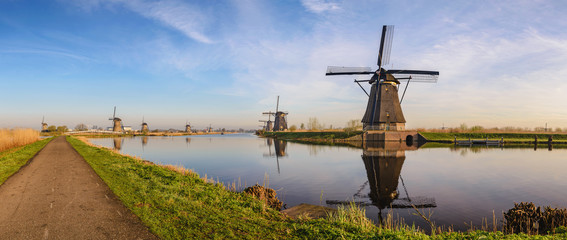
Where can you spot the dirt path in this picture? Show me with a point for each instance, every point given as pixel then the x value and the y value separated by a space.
pixel 59 196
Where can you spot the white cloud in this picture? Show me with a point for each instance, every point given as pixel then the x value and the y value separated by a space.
pixel 177 15
pixel 320 6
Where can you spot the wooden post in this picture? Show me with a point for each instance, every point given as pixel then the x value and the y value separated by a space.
pixel 455 140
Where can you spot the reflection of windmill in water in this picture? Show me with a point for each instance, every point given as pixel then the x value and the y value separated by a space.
pixel 279 147
pixel 118 143
pixel 383 111
pixel 383 162
pixel 280 118
pixel 144 142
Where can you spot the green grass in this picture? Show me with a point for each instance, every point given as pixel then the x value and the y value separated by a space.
pixel 508 137
pixel 182 206
pixel 13 159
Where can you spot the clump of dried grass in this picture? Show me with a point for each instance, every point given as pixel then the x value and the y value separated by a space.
pixel 10 138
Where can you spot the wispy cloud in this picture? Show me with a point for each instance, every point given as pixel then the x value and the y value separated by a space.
pixel 320 6
pixel 49 52
pixel 179 15
pixel 175 14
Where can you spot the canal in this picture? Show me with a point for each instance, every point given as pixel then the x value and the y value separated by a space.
pixel 457 186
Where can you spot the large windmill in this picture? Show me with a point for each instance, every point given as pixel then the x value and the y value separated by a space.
pixel 280 122
pixel 383 111
pixel 116 122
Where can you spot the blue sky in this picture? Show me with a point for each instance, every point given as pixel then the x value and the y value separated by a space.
pixel 501 63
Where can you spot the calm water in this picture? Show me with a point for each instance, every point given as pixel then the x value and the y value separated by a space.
pixel 457 185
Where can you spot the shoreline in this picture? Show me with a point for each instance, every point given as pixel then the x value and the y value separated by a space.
pixel 340 137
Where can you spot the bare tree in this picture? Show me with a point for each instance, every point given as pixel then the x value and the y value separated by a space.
pixel 81 127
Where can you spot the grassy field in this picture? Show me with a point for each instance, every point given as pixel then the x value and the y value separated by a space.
pixel 13 159
pixel 177 204
pixel 11 138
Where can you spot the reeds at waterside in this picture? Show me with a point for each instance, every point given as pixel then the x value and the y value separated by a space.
pixel 10 138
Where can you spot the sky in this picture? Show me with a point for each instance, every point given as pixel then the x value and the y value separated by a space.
pixel 223 63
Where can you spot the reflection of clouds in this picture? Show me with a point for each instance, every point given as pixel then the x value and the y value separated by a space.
pixel 467 188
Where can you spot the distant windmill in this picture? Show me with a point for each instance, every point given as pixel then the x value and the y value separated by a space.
pixel 117 122
pixel 145 128
pixel 280 122
pixel 383 111
pixel 268 126
pixel 187 127
pixel 264 127
pixel 43 125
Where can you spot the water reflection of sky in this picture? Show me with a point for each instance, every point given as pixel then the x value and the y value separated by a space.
pixel 466 184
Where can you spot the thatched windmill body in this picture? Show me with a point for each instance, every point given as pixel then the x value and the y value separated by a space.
pixel 116 122
pixel 383 111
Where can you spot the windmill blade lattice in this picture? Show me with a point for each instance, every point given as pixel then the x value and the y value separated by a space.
pixel 385 45
pixel 336 70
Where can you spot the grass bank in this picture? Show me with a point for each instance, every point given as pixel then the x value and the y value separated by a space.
pixel 13 159
pixel 177 204
pixel 508 137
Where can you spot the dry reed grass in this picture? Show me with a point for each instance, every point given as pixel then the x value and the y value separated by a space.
pixel 11 138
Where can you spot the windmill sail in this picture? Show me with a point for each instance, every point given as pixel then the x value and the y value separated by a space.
pixel 385 45
pixel 335 70
pixel 415 75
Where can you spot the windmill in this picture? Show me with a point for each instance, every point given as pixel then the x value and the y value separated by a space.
pixel 117 122
pixel 265 126
pixel 43 125
pixel 268 125
pixel 145 128
pixel 383 111
pixel 187 126
pixel 280 122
